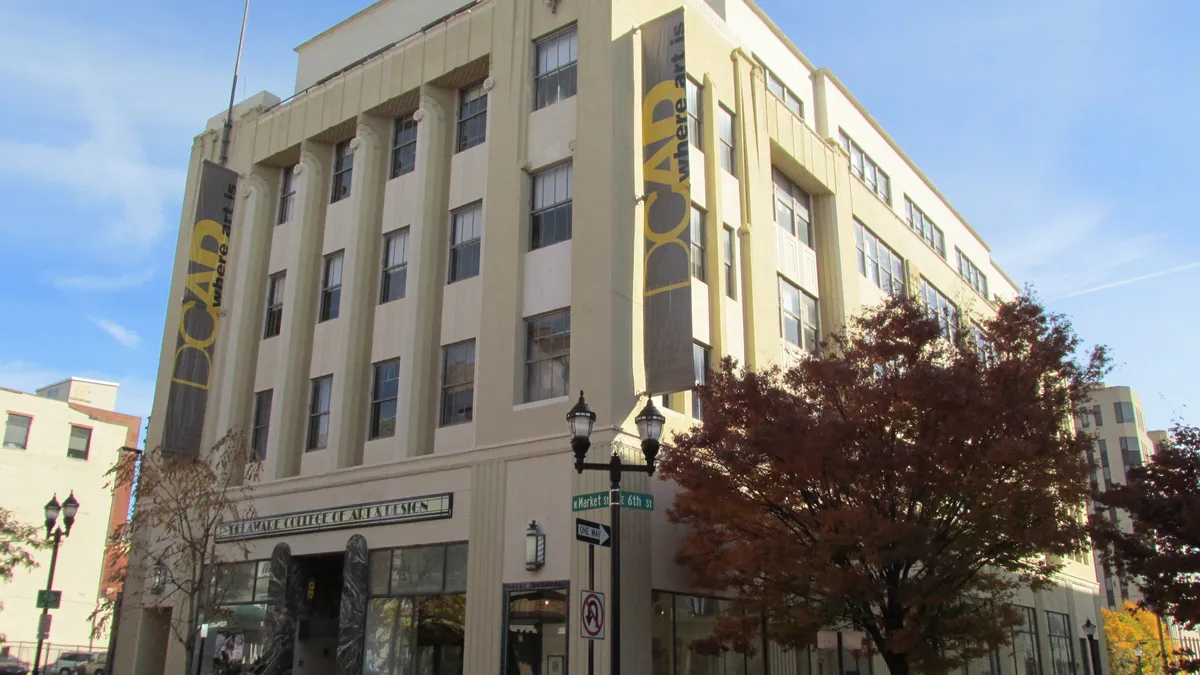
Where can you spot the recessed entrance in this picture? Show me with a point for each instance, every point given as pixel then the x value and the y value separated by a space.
pixel 320 578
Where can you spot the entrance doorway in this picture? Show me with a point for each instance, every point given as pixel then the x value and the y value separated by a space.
pixel 317 613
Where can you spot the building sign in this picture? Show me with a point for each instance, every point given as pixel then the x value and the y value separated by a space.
pixel 408 510
pixel 195 343
pixel 667 185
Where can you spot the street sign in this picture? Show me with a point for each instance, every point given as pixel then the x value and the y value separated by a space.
pixel 596 534
pixel 591 615
pixel 49 599
pixel 599 500
pixel 44 626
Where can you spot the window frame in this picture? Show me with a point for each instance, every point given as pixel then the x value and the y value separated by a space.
pixel 803 327
pixel 791 196
pixel 387 269
pixel 258 424
pixel 701 366
pixel 866 169
pixel 865 240
pixel 563 72
pixel 458 249
pixel 87 447
pixel 556 209
pixel 695 112
pixel 728 146
pixel 971 273
pixel 377 403
pixel 944 310
pixel 775 82
pixel 533 365
pixel 928 231
pixel 343 171
pixel 287 195
pixel 8 424
pixel 730 261
pixel 462 141
pixel 403 146
pixel 273 321
pixel 331 291
pixel 698 235
pixel 316 415
pixel 446 386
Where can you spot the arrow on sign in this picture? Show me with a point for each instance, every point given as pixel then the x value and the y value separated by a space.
pixel 596 534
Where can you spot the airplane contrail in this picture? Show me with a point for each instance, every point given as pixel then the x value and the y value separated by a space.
pixel 1124 282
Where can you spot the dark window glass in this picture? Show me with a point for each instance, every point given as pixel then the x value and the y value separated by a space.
pixel 1025 643
pixel 971 273
pixel 792 208
pixel 331 287
pixel 551 211
pixel 921 224
pixel 16 431
pixel 458 383
pixel 466 231
pixel 537 631
pixel 940 308
pixel 404 146
pixel 798 316
pixel 730 266
pixel 696 226
pixel 547 355
pixel 1062 653
pixel 790 100
pixel 725 135
pixel 318 412
pixel 695 114
pixel 554 77
pixel 701 364
pixel 343 165
pixel 862 166
pixel 287 195
pixel 385 389
pixel 262 422
pixel 394 281
pixel 274 321
pixel 878 262
pixel 472 116
pixel 80 442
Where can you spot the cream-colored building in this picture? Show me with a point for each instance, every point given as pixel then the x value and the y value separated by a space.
pixel 435 244
pixel 62 439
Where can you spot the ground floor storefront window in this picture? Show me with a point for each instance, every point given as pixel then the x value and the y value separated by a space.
pixel 233 632
pixel 535 635
pixel 680 621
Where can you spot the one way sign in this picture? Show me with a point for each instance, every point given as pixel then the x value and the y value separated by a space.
pixel 596 534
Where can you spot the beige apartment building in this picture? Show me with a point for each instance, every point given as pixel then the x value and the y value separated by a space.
pixel 436 242
pixel 58 441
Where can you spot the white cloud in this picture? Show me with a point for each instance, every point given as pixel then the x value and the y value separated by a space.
pixel 121 334
pixel 101 284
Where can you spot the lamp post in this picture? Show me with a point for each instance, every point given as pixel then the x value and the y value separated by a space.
pixel 68 509
pixel 1138 652
pixel 580 419
pixel 1089 629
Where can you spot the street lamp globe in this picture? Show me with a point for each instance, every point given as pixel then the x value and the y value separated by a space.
pixel 1089 628
pixel 69 508
pixel 52 509
pixel 580 420
pixel 650 425
pixel 1138 651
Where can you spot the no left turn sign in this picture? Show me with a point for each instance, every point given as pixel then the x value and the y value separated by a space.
pixel 591 615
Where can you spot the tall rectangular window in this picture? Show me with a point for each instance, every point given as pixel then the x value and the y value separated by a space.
pixel 696 226
pixel 701 364
pixel 472 116
pixel 877 262
pixel 971 273
pixel 1124 412
pixel 16 431
pixel 343 169
pixel 404 145
pixel 287 195
pixel 319 401
pixel 466 229
pixel 331 286
pixel 798 316
pixel 792 208
pixel 725 134
pixel 261 424
pixel 547 356
pixel 730 265
pixel 394 280
pixel 1025 643
pixel 865 168
pixel 790 100
pixel 80 442
pixel 274 322
pixel 385 388
pixel 551 209
pixel 554 76
pixel 458 383
pixel 695 114
pixel 921 224
pixel 1062 653
pixel 1131 452
pixel 940 308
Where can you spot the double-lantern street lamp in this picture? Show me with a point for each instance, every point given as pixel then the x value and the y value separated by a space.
pixel 650 421
pixel 68 509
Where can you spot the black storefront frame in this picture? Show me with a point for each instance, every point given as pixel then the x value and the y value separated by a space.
pixel 506 590
pixel 766 661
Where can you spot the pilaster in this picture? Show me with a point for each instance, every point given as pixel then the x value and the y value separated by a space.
pixel 714 220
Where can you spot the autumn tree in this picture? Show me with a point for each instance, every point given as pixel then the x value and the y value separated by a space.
pixel 18 541
pixel 1133 627
pixel 899 484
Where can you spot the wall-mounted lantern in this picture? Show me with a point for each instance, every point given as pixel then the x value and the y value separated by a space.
pixel 535 547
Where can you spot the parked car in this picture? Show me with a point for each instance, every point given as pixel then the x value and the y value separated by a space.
pixel 68 663
pixel 94 666
pixel 11 665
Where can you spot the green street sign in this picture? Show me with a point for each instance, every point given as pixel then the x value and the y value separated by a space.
pixel 49 599
pixel 599 500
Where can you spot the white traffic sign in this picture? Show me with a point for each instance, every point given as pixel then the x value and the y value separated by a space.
pixel 591 615
pixel 596 534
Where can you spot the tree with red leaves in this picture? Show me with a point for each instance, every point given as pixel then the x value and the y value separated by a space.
pixel 898 484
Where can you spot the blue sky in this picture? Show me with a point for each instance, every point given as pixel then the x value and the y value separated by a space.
pixel 1063 129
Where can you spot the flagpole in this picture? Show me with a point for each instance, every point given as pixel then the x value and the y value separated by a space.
pixel 237 66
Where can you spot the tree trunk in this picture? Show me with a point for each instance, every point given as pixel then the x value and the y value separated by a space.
pixel 897 663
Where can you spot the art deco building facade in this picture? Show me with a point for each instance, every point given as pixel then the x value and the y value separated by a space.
pixel 437 241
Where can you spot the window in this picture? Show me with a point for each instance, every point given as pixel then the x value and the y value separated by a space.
pixel 791 208
pixel 535 630
pixel 1025 643
pixel 725 134
pixel 261 423
pixel 697 229
pixel 318 413
pixel 385 388
pixel 941 309
pixel 798 312
pixel 924 227
pixel 695 114
pixel 1062 655
pixel 331 287
pixel 551 222
pixel 1105 467
pixel 790 100
pixel 287 195
pixel 394 281
pixel 404 146
pixel 1124 412
pixel 971 273
pixel 79 443
pixel 701 364
pixel 1096 415
pixel 679 621
pixel 1131 453
pixel 16 431
pixel 730 269
pixel 466 227
pixel 274 321
pixel 554 78
pixel 458 383
pixel 1085 419
pixel 877 262
pixel 343 168
pixel 547 355
pixel 862 166
pixel 472 116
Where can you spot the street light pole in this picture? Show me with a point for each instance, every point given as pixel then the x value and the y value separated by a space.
pixel 1138 652
pixel 1089 629
pixel 68 508
pixel 650 423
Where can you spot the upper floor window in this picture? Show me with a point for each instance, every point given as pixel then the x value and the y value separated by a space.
pixel 472 116
pixel 790 100
pixel 466 230
pixel 274 322
pixel 792 208
pixel 343 169
pixel 725 135
pixel 261 424
pixel 80 442
pixel 1098 415
pixel 1124 412
pixel 331 286
pixel 551 214
pixel 941 308
pixel 798 316
pixel 385 390
pixel 701 364
pixel 458 383
pixel 394 281
pixel 547 355
pixel 404 146
pixel 696 226
pixel 319 402
pixel 554 79
pixel 866 169
pixel 1131 452
pixel 730 266
pixel 971 273
pixel 877 262
pixel 924 227
pixel 16 431
pixel 695 113
pixel 287 195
